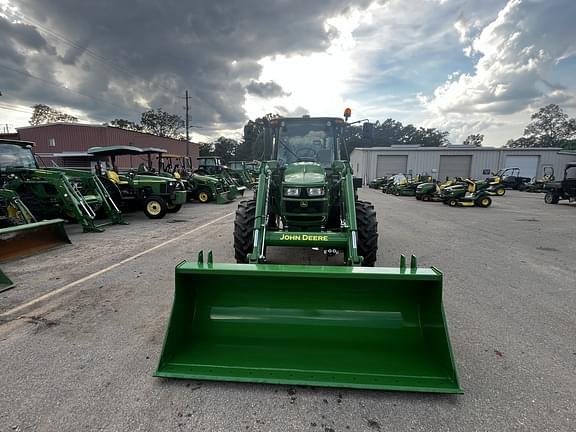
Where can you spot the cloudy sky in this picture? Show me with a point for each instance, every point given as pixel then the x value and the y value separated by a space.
pixel 460 65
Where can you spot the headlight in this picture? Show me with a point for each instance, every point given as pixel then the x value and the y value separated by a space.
pixel 292 192
pixel 315 192
pixel 171 184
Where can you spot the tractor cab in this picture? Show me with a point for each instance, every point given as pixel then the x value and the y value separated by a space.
pixel 16 156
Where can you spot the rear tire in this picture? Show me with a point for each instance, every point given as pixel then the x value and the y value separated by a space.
pixel 484 202
pixel 367 226
pixel 453 202
pixel 244 230
pixel 155 208
pixel 551 198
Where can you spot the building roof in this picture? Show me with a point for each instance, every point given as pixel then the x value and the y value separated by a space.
pixel 88 125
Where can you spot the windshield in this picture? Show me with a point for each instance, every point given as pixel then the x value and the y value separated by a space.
pixel 307 141
pixel 15 156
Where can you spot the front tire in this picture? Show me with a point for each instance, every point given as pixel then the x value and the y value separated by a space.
pixel 203 196
pixel 367 226
pixel 244 230
pixel 155 208
pixel 453 202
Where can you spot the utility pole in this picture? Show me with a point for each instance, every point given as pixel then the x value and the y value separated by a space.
pixel 187 97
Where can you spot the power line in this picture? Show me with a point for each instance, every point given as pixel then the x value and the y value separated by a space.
pixel 15 109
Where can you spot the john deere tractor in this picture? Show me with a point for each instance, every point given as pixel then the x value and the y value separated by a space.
pixel 348 326
pixel 53 193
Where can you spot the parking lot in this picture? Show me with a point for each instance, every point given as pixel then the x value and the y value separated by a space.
pixel 81 333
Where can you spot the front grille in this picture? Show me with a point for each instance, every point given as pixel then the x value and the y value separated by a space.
pixel 313 207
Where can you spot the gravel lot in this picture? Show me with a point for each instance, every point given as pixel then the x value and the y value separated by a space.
pixel 82 357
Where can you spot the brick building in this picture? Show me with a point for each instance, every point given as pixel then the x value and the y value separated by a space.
pixel 66 143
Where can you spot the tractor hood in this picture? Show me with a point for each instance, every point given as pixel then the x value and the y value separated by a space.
pixel 304 173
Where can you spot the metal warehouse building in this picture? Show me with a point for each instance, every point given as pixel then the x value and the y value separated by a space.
pixel 66 143
pixel 455 161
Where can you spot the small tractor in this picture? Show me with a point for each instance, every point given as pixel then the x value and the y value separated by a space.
pixel 52 192
pixel 241 174
pixel 154 194
pixel 213 166
pixel 564 189
pixel 354 325
pixel 539 184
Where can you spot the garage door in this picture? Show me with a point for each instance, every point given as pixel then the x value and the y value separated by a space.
pixel 454 166
pixel 390 165
pixel 528 164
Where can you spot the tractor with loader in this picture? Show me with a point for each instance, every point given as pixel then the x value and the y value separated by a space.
pixel 354 325
pixel 54 192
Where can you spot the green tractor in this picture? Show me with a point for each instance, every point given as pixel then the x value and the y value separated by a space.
pixel 213 166
pixel 155 195
pixel 341 326
pixel 242 174
pixel 52 192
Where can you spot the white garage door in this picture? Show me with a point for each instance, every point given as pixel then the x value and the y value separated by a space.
pixel 390 165
pixel 454 166
pixel 528 164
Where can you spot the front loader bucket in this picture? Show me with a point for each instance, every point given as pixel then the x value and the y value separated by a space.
pixel 358 327
pixel 5 282
pixel 24 240
pixel 223 198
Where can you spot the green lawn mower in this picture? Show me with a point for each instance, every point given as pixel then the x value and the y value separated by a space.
pixel 470 197
pixel 354 326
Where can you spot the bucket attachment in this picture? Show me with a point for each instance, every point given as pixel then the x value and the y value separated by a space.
pixel 224 198
pixel 27 239
pixel 357 327
pixel 5 282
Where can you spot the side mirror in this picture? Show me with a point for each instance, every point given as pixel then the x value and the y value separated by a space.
pixel 368 130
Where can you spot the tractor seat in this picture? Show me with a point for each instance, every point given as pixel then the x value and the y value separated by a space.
pixel 115 178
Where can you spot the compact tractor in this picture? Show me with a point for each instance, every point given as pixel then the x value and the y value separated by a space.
pixel 353 325
pixel 155 195
pixel 53 192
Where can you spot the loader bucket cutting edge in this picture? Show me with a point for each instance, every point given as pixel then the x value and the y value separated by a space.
pixel 357 327
pixel 24 240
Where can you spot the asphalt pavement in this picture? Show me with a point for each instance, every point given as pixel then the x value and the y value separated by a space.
pixel 81 334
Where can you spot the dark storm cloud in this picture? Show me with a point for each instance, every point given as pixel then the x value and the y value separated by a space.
pixel 270 89
pixel 132 54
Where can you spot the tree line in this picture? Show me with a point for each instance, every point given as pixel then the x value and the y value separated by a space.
pixel 549 127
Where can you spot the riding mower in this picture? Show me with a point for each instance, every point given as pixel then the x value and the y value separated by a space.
pixel 154 194
pixel 354 326
pixel 431 191
pixel 55 193
pixel 471 197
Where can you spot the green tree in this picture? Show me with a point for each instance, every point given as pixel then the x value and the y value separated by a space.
pixel 550 126
pixel 474 139
pixel 225 148
pixel 162 123
pixel 44 114
pixel 206 149
pixel 126 124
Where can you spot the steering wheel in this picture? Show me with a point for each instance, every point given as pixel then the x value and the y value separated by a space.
pixel 310 154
